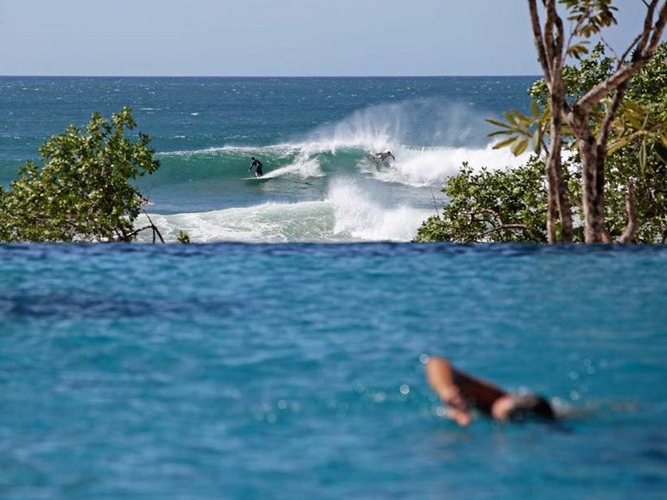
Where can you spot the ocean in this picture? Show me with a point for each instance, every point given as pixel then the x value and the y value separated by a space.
pixel 282 354
pixel 313 136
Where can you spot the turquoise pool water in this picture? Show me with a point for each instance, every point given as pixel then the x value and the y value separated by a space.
pixel 296 370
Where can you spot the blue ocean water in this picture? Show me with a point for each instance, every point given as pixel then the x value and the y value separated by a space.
pixel 312 134
pixel 281 355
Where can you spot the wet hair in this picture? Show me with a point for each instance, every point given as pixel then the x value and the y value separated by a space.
pixel 530 405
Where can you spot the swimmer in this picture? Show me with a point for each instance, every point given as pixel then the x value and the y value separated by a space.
pixel 462 393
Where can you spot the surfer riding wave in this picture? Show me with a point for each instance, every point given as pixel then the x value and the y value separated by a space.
pixel 382 157
pixel 257 165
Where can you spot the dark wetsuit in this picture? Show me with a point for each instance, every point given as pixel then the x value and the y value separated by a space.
pixel 381 157
pixel 258 167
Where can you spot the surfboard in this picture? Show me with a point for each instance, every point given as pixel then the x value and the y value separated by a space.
pixel 263 178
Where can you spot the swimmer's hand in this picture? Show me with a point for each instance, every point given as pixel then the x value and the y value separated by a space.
pixel 457 408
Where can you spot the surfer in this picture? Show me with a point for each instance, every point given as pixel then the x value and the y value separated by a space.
pixel 381 157
pixel 462 393
pixel 257 165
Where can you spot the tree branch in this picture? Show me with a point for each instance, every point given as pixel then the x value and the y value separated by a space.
pixel 633 220
pixel 504 227
pixel 488 211
pixel 539 39
pixel 612 110
pixel 644 51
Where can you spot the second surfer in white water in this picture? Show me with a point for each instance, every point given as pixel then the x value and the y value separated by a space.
pixel 382 157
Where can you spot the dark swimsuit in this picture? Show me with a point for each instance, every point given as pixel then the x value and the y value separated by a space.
pixel 478 393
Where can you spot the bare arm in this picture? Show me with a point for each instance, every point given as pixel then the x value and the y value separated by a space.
pixel 458 390
pixel 440 375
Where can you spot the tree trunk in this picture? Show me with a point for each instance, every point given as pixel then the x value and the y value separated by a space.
pixel 550 50
pixel 552 197
pixel 592 187
pixel 564 207
pixel 630 232
pixel 558 189
pixel 549 45
pixel 558 200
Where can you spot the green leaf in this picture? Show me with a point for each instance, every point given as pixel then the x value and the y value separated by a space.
pixel 82 191
pixel 520 147
pixel 497 123
pixel 504 143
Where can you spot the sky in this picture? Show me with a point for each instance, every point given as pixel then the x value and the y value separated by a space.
pixel 275 37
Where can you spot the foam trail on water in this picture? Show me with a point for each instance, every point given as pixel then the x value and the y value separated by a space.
pixel 303 167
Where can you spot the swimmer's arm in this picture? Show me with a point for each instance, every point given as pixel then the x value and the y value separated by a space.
pixel 440 376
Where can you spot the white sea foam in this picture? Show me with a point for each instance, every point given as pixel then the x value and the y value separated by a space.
pixel 241 151
pixel 375 204
pixel 362 200
pixel 265 223
pixel 350 212
pixel 414 123
pixel 430 139
pixel 302 167
pixel 430 166
pixel 361 217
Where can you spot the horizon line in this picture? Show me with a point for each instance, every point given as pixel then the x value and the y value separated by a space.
pixel 17 75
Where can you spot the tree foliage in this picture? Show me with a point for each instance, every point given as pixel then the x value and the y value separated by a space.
pixel 637 146
pixel 82 190
pixel 491 206
pixel 591 114
pixel 637 161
